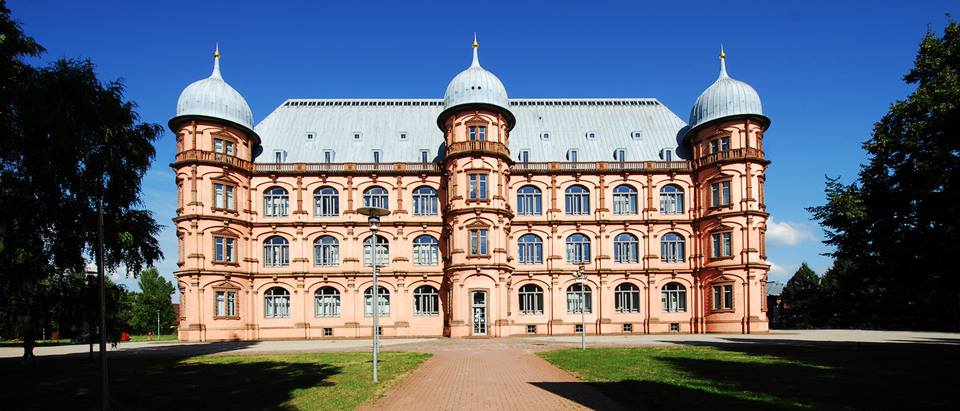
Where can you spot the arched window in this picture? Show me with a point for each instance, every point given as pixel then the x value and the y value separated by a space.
pixel 530 249
pixel 578 200
pixel 426 301
pixel 276 303
pixel 529 201
pixel 327 302
pixel 672 248
pixel 531 300
pixel 627 298
pixel 326 251
pixel 276 202
pixel 426 251
pixel 425 201
pixel 624 200
pixel 276 252
pixel 579 299
pixel 674 298
pixel 376 197
pixel 626 249
pixel 384 297
pixel 326 202
pixel 671 199
pixel 383 251
pixel 578 249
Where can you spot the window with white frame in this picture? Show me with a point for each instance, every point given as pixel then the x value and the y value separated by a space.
pixel 224 147
pixel 226 303
pixel 577 200
pixel 403 136
pixel 384 301
pixel 326 251
pixel 627 298
pixel 573 155
pixel 530 249
pixel 578 249
pixel 276 202
pixel 626 249
pixel 723 297
pixel 478 241
pixel 671 199
pixel 425 201
pixel 426 301
pixel 672 248
pixel 673 298
pixel 720 193
pixel 529 200
pixel 376 197
pixel 666 154
pixel 383 251
pixel 279 156
pixel 477 133
pixel 326 202
pixel 478 186
pixel 327 156
pixel 426 250
pixel 327 302
pixel 721 246
pixel 591 135
pixel 276 252
pixel 224 249
pixel 579 299
pixel 545 135
pixel 424 156
pixel 531 300
pixel 224 196
pixel 718 145
pixel 636 135
pixel 377 155
pixel 524 156
pixel 624 200
pixel 276 303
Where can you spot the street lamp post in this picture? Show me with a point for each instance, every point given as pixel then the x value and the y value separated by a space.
pixel 581 277
pixel 373 217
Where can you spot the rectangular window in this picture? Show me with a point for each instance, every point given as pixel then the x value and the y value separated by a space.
pixel 424 156
pixel 718 145
pixel 279 156
pixel 578 328
pixel 224 249
pixel 478 242
pixel 478 133
pixel 524 156
pixel 628 328
pixel 478 186
pixel 327 156
pixel 666 154
pixel 226 303
pixel 545 136
pixel 573 156
pixel 531 329
pixel 723 297
pixel 721 246
pixel 328 332
pixel 720 193
pixel 223 196
pixel 591 136
pixel 620 155
pixel 403 136
pixel 376 156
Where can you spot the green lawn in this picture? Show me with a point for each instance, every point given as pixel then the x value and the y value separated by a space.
pixel 319 381
pixel 164 337
pixel 750 376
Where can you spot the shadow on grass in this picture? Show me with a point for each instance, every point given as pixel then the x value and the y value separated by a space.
pixel 646 395
pixel 164 382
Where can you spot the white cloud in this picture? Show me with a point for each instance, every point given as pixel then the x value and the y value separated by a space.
pixel 786 233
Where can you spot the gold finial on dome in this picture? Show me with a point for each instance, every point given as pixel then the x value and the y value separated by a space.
pixel 216 51
pixel 723 55
pixel 475 44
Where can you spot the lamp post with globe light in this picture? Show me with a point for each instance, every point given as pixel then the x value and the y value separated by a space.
pixel 581 278
pixel 373 217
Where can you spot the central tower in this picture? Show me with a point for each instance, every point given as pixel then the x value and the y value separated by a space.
pixel 476 123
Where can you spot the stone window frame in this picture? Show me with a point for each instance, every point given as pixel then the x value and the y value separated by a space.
pixel 225 234
pixel 227 288
pixel 733 296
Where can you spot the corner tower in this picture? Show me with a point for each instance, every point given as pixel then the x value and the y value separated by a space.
pixel 726 132
pixel 476 123
pixel 216 145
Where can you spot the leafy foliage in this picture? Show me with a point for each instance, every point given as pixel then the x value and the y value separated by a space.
pixel 896 228
pixel 800 297
pixel 154 298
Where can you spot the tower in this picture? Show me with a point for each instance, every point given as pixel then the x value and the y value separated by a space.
pixel 216 145
pixel 476 123
pixel 726 141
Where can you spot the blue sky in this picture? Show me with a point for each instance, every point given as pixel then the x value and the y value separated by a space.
pixel 825 70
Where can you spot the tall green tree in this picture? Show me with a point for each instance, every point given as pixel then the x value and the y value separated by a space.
pixel 800 297
pixel 69 141
pixel 895 230
pixel 153 300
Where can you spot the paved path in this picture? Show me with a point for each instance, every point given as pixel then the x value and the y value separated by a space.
pixel 494 374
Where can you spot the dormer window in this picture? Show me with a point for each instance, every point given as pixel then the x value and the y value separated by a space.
pixel 279 156
pixel 524 156
pixel 310 136
pixel 620 154
pixel 573 155
pixel 591 135
pixel 424 156
pixel 377 154
pixel 636 135
pixel 356 135
pixel 327 156
pixel 666 154
pixel 545 135
pixel 403 136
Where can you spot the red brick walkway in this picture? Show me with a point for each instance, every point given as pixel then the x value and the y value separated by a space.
pixel 488 375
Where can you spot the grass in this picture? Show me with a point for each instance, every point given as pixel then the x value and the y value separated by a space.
pixel 143 338
pixel 747 376
pixel 316 381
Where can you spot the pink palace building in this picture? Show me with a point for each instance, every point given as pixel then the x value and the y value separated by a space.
pixel 495 204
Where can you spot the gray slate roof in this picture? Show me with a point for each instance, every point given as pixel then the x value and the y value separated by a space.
pixel 380 122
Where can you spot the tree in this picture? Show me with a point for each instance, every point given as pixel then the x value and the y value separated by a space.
pixel 799 298
pixel 154 299
pixel 69 143
pixel 895 229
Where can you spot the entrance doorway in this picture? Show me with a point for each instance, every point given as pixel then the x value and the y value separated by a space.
pixel 479 303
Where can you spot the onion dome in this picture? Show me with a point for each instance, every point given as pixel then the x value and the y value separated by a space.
pixel 476 86
pixel 214 98
pixel 725 98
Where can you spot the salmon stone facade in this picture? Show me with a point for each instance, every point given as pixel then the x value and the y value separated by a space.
pixel 495 204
